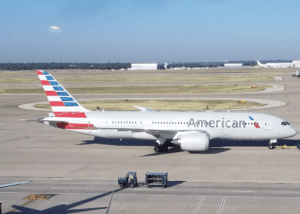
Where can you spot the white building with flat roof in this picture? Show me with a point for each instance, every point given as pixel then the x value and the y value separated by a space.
pixel 296 63
pixel 233 64
pixel 143 66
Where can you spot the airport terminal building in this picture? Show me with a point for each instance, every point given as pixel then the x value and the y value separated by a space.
pixel 233 65
pixel 296 63
pixel 143 66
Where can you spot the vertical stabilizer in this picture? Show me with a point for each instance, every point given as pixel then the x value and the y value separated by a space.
pixel 258 62
pixel 61 101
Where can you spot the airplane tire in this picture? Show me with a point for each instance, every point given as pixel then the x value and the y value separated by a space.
pixel 157 148
pixel 271 146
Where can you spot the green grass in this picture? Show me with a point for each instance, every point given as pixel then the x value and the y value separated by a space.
pixel 139 76
pixel 170 78
pixel 181 89
pixel 163 105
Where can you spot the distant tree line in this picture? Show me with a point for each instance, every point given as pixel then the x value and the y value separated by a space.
pixel 44 66
pixel 108 66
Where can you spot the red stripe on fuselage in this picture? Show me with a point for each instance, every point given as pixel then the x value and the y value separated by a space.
pixel 63 125
pixel 56 103
pixel 70 114
pixel 51 93
pixel 79 126
pixel 39 72
pixel 45 82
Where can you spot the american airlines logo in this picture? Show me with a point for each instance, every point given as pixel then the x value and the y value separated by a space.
pixel 255 123
pixel 217 123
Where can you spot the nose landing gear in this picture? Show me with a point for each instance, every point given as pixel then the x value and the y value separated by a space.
pixel 272 141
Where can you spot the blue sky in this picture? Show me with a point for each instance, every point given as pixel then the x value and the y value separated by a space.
pixel 154 30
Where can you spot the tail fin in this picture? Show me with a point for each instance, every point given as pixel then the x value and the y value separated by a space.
pixel 61 101
pixel 258 62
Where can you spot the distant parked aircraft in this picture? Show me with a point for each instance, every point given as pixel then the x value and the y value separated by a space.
pixel 276 65
pixel 262 65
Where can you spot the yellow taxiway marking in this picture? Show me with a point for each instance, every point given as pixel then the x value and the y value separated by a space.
pixel 286 147
pixel 32 198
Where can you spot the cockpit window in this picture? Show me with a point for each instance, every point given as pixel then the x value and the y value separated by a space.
pixel 285 123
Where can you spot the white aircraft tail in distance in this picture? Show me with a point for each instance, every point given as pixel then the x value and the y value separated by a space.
pixel 191 130
pixel 262 65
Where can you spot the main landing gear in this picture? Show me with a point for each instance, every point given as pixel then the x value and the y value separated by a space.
pixel 164 147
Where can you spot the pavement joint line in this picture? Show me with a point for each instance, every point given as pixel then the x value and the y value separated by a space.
pixel 113 182
pixel 126 194
pixel 199 205
pixel 222 205
pixel 203 190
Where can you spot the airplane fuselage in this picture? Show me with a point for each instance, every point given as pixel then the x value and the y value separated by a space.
pixel 224 125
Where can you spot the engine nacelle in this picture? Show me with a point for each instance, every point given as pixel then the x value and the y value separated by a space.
pixel 193 141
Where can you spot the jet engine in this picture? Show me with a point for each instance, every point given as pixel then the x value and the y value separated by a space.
pixel 193 141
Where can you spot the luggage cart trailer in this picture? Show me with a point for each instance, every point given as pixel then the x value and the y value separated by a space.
pixel 156 179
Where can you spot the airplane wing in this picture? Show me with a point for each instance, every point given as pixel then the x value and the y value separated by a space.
pixel 144 109
pixel 13 184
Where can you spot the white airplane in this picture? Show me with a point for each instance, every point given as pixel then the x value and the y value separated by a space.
pixel 262 65
pixel 275 65
pixel 191 130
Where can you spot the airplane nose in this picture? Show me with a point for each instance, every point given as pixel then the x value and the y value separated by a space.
pixel 293 131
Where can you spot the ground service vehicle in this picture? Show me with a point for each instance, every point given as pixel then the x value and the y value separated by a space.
pixel 129 180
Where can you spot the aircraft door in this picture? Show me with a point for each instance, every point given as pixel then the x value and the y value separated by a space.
pixel 267 124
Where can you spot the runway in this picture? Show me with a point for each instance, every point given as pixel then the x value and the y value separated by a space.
pixel 80 172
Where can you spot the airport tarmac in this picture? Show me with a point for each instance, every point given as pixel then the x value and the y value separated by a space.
pixel 80 172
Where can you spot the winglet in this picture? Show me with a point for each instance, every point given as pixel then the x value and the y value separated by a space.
pixel 144 109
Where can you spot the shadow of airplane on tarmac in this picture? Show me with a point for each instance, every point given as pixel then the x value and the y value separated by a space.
pixel 63 208
pixel 215 144
pixel 251 143
pixel 116 142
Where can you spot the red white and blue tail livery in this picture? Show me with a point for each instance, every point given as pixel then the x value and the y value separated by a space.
pixel 61 101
